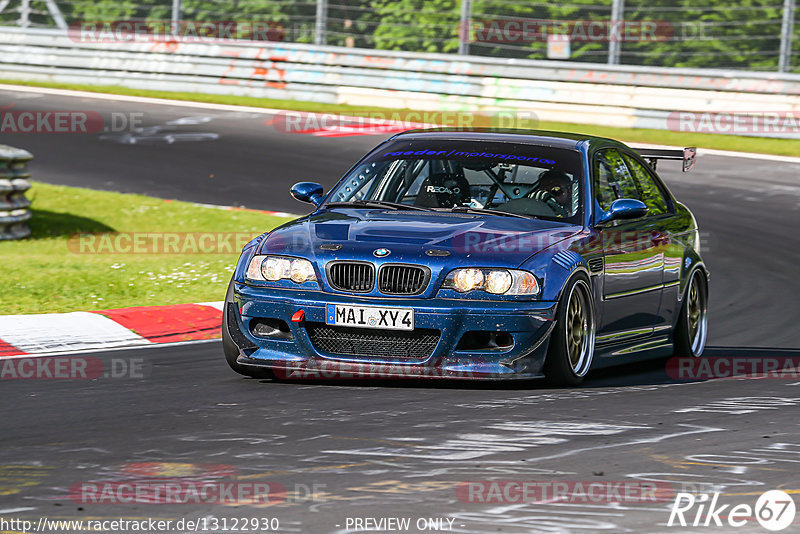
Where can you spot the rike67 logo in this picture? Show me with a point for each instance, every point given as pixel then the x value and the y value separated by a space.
pixel 774 510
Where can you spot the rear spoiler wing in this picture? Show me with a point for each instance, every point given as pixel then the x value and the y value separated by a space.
pixel 652 155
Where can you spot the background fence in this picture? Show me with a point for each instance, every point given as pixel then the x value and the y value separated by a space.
pixel 611 95
pixel 759 35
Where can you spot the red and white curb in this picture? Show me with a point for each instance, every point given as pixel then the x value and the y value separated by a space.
pixel 54 333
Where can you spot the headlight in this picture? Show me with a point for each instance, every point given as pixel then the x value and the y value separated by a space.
pixel 495 281
pixel 301 271
pixel 498 282
pixel 274 268
pixel 467 279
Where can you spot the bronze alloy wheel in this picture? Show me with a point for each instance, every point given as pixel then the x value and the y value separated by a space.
pixel 696 315
pixel 579 329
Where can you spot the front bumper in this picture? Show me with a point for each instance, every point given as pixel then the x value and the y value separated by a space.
pixel 528 323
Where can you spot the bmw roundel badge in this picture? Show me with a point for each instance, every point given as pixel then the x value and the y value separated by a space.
pixel 382 252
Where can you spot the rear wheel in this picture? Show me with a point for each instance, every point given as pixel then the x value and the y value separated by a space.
pixel 231 350
pixel 692 328
pixel 571 349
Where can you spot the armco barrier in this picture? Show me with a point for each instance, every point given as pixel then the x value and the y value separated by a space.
pixel 13 184
pixel 628 96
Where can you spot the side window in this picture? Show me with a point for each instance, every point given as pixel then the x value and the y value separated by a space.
pixel 603 192
pixel 648 189
pixel 612 179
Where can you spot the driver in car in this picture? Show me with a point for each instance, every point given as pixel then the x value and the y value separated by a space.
pixel 554 190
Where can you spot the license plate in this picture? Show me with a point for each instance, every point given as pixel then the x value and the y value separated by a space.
pixel 369 317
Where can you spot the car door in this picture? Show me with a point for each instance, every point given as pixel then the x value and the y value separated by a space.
pixel 633 259
pixel 661 214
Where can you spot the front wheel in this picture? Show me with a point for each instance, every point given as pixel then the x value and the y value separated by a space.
pixel 692 328
pixel 571 349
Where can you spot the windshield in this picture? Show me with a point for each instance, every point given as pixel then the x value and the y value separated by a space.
pixel 521 179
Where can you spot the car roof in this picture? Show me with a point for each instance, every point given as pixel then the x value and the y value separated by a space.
pixel 567 140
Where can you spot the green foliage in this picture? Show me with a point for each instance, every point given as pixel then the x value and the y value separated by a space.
pixel 738 34
pixel 352 24
pixel 294 19
pixel 744 34
pixel 488 12
pixel 417 25
pixel 90 10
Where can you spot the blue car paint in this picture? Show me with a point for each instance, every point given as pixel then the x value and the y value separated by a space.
pixel 553 251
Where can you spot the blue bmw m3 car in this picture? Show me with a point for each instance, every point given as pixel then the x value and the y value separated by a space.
pixel 482 254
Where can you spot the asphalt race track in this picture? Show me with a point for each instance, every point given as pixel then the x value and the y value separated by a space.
pixel 350 450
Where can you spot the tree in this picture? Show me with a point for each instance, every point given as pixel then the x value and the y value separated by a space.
pixel 547 18
pixel 742 35
pixel 417 25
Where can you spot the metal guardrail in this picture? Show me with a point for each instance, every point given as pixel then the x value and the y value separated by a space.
pixel 267 53
pixel 14 182
pixel 612 95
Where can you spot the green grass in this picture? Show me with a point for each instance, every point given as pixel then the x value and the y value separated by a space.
pixel 45 273
pixel 784 147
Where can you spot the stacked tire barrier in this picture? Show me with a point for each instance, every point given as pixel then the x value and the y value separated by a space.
pixel 14 183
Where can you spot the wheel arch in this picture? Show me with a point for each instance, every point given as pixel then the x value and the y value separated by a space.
pixel 686 276
pixel 558 370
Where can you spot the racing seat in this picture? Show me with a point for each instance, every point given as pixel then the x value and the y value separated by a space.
pixel 443 190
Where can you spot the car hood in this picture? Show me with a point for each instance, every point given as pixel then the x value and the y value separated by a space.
pixel 415 236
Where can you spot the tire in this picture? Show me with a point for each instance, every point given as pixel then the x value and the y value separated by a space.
pixel 571 349
pixel 691 330
pixel 231 350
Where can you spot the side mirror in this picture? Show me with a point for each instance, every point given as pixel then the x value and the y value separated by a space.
pixel 308 192
pixel 623 208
